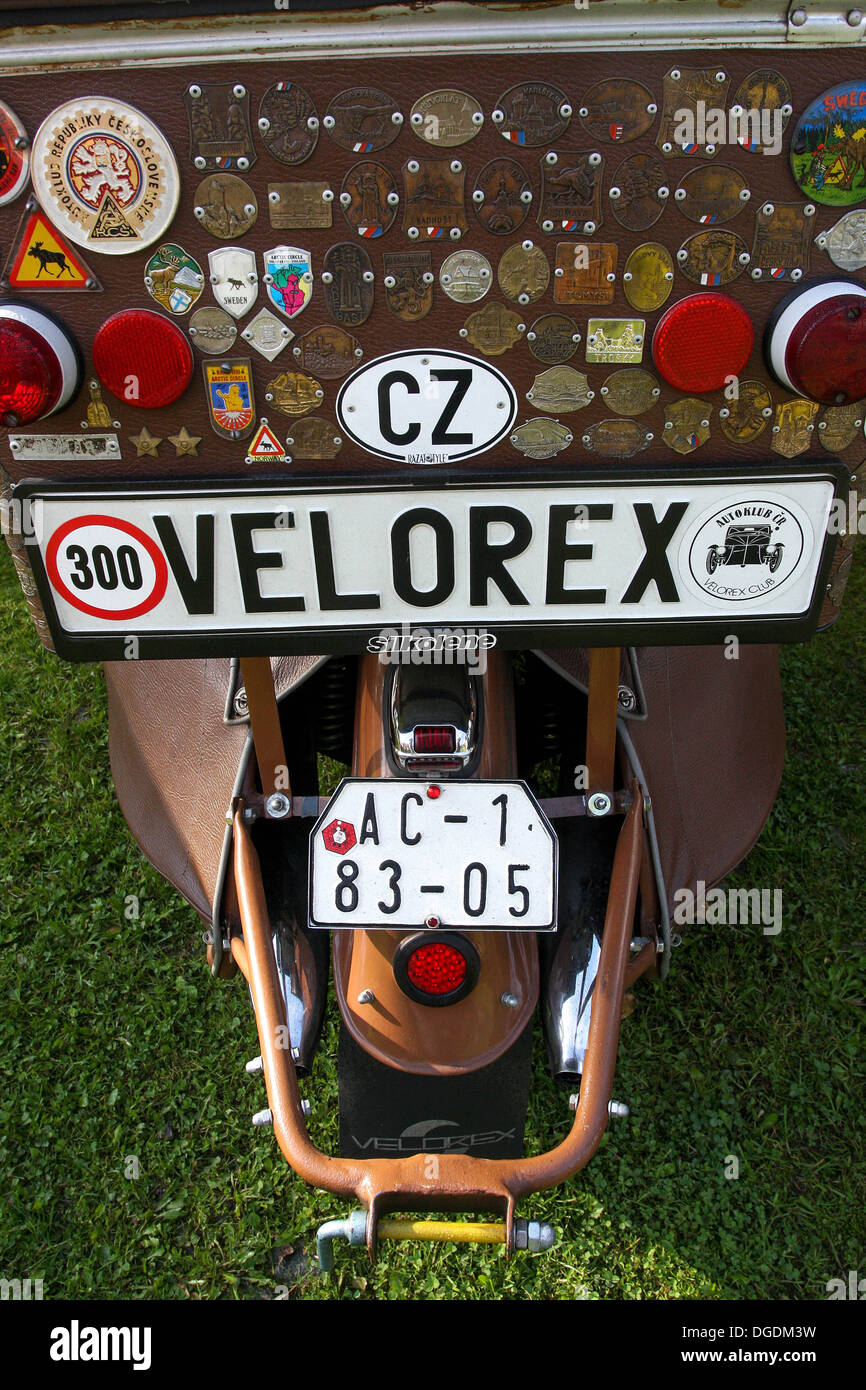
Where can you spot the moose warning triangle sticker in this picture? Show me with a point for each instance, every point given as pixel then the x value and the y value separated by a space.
pixel 42 259
pixel 265 445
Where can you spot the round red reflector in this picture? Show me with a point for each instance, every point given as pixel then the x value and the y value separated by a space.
pixel 40 367
pixel 815 341
pixel 142 358
pixel 436 968
pixel 702 341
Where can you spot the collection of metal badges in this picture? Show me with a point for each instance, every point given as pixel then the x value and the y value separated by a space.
pixel 105 180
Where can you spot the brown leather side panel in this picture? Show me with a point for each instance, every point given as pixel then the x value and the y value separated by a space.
pixel 712 749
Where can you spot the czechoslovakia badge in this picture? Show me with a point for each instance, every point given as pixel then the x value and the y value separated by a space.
pixel 105 174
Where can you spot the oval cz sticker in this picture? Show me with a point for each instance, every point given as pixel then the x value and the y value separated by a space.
pixel 103 573
pixel 429 407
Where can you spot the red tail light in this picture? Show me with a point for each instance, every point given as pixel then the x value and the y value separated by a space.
pixel 142 358
pixel 436 967
pixel 435 738
pixel 40 367
pixel 702 341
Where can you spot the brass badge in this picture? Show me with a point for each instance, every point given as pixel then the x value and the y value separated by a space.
pixel 694 112
pixel 540 438
pixel 146 444
pixel 502 196
pixel 299 204
pixel 369 198
pixel 185 444
pixel 570 192
pixel 212 330
pixel 793 428
pixel 328 351
pixel 630 391
pixel 314 438
pixel 225 206
pixel 219 126
pixel 639 192
pixel 615 340
pixel 560 389
pixel 763 106
pixel 408 284
pixel 493 329
pixel 288 123
pixel 363 119
pixel 347 282
pixel 228 385
pixel 712 193
pixel 98 414
pixel 839 426
pixel 446 118
pixel 523 273
pixel 687 424
pixel 553 338
pixel 616 439
pixel 648 277
pixel 173 279
pixel 618 110
pixel 747 415
pixel 234 279
pixel 465 276
pixel 433 199
pixel 532 113
pixel 782 236
pixel 845 243
pixel 294 393
pixel 713 258
pixel 289 279
pixel 585 272
pixel 267 334
pixel 14 155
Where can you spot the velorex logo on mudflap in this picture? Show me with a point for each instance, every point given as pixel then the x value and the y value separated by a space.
pixel 196 569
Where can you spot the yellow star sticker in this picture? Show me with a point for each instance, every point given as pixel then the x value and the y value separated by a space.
pixel 185 443
pixel 145 443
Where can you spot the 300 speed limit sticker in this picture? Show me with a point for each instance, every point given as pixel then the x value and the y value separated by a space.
pixel 106 567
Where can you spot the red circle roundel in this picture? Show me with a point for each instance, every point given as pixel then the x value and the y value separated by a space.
pixel 106 567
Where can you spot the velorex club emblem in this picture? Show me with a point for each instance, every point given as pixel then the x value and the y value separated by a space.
pixel 229 389
pixel 219 126
pixel 173 279
pixel 105 175
pixel 234 279
pixel 14 155
pixel 289 278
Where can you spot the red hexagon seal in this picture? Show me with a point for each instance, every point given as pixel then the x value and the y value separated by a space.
pixel 339 836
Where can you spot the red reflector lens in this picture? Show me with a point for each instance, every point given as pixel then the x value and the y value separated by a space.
pixel 826 353
pixel 142 358
pixel 31 378
pixel 436 968
pixel 701 341
pixel 435 738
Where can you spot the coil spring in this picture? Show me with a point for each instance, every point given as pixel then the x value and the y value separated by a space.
pixel 335 702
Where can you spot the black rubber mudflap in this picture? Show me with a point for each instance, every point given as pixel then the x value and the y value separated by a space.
pixel 384 1112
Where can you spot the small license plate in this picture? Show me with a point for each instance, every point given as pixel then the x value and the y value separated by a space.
pixel 404 853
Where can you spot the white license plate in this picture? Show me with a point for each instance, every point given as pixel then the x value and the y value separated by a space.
pixel 405 853
pixel 603 558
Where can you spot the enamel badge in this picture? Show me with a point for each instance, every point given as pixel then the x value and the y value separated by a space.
pixel 14 155
pixel 234 279
pixel 289 278
pixel 41 259
pixel 173 279
pixel 105 175
pixel 229 389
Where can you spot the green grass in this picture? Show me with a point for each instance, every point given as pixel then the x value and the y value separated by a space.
pixel 115 1043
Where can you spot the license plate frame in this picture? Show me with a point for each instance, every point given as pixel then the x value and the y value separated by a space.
pixel 480 810
pixel 339 631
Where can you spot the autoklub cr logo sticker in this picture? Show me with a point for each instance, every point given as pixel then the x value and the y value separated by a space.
pixel 746 551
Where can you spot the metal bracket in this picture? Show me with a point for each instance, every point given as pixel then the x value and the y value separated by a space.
pixel 825 22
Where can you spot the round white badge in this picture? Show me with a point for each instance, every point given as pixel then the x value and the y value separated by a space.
pixel 105 175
